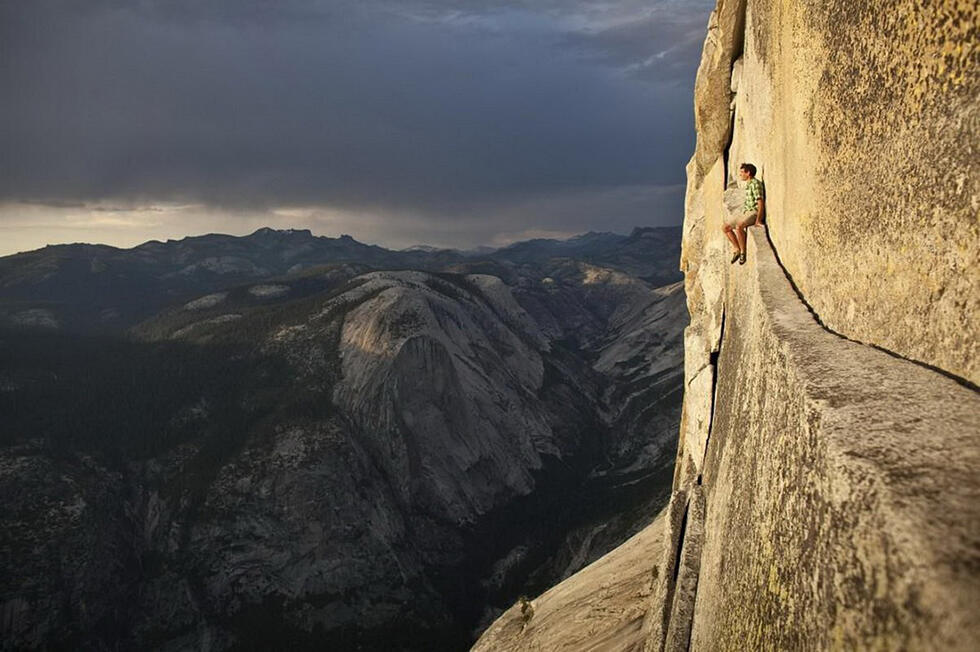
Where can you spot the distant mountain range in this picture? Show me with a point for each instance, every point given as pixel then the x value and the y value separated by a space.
pixel 98 288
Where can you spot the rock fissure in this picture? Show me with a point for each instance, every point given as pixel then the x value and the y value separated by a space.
pixel 715 355
pixel 694 570
pixel 687 573
pixel 679 547
pixel 816 317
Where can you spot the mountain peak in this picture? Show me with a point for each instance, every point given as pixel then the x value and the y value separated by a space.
pixel 266 231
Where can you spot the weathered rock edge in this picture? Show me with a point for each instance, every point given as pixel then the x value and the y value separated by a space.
pixel 799 439
pixel 843 505
pixel 864 120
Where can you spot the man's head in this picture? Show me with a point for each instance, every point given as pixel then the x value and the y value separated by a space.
pixel 746 171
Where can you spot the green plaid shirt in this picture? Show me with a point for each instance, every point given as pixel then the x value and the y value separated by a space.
pixel 754 191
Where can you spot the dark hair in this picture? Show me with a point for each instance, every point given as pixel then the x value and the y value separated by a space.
pixel 748 167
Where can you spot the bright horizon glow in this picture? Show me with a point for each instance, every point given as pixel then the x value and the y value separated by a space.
pixel 26 226
pixel 399 122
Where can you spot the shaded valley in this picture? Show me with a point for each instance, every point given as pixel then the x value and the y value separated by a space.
pixel 224 443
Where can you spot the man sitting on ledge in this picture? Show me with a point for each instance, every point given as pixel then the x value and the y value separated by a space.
pixel 753 211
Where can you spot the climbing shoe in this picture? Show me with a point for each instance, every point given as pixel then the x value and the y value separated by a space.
pixel 736 256
pixel 741 258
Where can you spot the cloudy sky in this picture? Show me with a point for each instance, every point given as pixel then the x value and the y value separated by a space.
pixel 397 121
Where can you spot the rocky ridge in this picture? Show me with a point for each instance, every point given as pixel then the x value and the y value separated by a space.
pixel 102 289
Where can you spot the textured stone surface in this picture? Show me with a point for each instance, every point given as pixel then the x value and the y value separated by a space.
pixel 599 608
pixel 841 482
pixel 657 618
pixel 678 636
pixel 712 90
pixel 864 123
pixel 705 261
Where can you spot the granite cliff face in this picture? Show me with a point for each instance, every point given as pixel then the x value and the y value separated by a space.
pixel 827 487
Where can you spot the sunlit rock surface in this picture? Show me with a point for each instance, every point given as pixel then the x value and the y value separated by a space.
pixel 599 608
pixel 841 490
pixel 827 487
pixel 826 492
pixel 863 122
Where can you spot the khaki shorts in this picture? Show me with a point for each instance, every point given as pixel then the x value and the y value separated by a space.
pixel 742 219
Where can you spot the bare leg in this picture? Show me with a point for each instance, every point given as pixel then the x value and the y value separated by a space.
pixel 731 236
pixel 740 243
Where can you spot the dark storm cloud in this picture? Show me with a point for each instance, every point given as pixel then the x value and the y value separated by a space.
pixel 662 46
pixel 440 109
